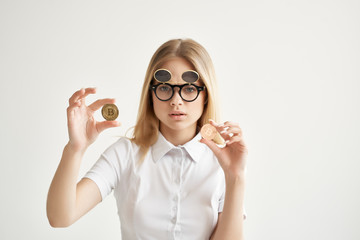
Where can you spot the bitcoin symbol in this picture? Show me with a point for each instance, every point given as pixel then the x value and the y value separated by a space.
pixel 208 131
pixel 110 111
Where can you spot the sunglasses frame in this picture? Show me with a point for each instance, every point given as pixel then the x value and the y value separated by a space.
pixel 155 86
pixel 198 76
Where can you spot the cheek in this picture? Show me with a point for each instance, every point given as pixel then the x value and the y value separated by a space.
pixel 202 97
pixel 157 105
pixel 198 106
pixel 201 100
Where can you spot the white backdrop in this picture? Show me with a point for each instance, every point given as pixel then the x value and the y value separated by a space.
pixel 288 73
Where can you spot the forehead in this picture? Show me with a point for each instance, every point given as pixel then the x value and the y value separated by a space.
pixel 177 66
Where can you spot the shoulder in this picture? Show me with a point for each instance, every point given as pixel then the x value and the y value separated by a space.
pixel 124 151
pixel 122 145
pixel 210 156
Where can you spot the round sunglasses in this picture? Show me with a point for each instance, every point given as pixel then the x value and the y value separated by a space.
pixel 188 92
pixel 164 75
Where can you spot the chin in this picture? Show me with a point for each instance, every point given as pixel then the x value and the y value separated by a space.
pixel 180 125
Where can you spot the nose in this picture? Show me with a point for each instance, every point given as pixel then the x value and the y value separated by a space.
pixel 176 99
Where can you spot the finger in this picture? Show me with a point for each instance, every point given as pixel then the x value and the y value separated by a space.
pixel 81 94
pixel 87 92
pixel 75 96
pixel 243 146
pixel 231 124
pixel 235 139
pixel 225 126
pixel 225 135
pixel 219 127
pixel 233 131
pixel 101 126
pixel 101 102
pixel 71 108
pixel 216 150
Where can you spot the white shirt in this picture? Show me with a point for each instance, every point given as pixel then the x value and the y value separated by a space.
pixel 176 193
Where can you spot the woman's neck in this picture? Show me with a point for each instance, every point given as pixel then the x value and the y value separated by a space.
pixel 178 137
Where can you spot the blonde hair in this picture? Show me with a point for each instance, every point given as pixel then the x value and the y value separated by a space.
pixel 146 129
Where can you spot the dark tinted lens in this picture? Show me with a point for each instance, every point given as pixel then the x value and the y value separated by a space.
pixel 190 76
pixel 162 75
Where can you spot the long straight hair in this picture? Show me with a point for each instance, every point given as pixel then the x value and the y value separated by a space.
pixel 146 129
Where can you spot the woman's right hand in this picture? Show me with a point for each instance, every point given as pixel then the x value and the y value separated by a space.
pixel 83 128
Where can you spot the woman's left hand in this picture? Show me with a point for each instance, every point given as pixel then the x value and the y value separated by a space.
pixel 232 157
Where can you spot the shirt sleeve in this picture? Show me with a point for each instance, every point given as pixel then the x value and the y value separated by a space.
pixel 221 202
pixel 107 170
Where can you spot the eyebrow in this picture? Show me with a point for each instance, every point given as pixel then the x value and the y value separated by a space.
pixel 185 83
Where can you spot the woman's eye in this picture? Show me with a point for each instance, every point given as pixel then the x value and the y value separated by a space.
pixel 190 89
pixel 164 88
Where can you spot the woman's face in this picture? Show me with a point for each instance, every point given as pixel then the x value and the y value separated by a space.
pixel 176 114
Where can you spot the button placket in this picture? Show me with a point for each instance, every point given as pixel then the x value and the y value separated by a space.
pixel 176 200
pixel 177 182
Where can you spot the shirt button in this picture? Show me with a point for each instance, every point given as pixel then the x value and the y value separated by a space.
pixel 175 198
pixel 175 209
pixel 173 220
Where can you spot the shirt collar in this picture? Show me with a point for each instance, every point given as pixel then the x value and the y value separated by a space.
pixel 163 146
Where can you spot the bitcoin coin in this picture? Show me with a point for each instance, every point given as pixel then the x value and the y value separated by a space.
pixel 208 131
pixel 110 112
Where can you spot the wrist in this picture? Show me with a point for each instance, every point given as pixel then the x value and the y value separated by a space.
pixel 237 177
pixel 75 149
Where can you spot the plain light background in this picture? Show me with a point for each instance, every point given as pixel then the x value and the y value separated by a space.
pixel 288 73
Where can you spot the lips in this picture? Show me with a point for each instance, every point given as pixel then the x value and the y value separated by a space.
pixel 177 115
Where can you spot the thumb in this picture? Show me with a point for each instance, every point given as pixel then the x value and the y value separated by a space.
pixel 212 145
pixel 101 126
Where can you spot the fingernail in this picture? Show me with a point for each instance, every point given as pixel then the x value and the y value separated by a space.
pixel 213 122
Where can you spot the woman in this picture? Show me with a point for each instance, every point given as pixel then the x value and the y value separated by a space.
pixel 169 183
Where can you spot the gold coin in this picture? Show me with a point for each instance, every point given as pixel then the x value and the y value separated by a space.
pixel 110 112
pixel 208 131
